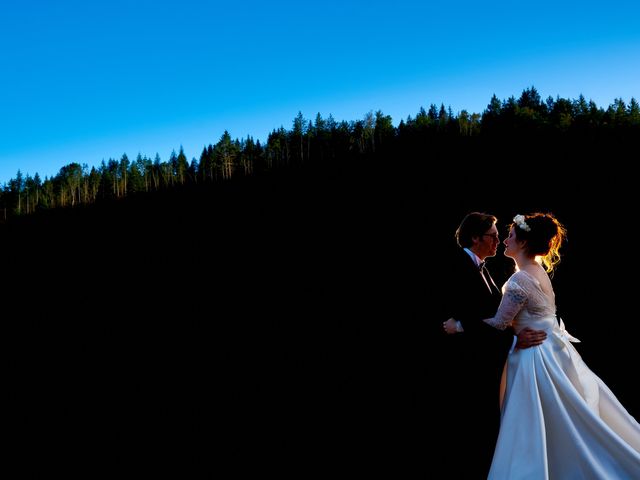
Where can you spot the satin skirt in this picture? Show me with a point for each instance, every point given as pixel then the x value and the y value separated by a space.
pixel 560 421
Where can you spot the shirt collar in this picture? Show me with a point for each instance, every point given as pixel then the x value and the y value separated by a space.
pixel 474 257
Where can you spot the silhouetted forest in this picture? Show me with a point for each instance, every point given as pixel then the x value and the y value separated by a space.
pixel 275 308
pixel 322 142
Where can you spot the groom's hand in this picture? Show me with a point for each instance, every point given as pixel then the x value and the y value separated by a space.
pixel 529 337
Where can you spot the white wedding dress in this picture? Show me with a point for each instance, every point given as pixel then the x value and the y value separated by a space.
pixel 559 420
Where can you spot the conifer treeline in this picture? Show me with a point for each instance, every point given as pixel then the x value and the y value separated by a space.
pixel 320 141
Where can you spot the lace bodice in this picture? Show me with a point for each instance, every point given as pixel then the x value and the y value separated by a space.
pixel 524 304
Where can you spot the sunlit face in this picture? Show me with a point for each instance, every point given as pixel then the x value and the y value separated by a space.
pixel 511 243
pixel 487 243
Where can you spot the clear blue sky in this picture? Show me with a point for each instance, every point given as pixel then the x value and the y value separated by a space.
pixel 83 81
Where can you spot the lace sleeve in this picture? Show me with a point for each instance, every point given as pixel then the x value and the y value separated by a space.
pixel 513 300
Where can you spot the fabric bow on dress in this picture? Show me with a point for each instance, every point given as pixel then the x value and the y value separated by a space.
pixel 561 336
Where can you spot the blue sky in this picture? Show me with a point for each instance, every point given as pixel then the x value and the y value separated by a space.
pixel 83 81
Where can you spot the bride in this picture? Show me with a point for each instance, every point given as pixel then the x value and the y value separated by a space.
pixel 559 420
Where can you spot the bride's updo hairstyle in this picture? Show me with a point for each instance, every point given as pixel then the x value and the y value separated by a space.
pixel 544 235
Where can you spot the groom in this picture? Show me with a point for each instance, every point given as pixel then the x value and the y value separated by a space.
pixel 478 355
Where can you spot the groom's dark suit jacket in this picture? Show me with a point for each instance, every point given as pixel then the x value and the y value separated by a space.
pixel 468 300
pixel 474 362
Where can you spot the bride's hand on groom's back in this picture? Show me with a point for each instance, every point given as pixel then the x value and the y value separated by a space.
pixel 450 326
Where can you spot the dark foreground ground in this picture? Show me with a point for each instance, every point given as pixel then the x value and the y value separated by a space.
pixel 274 326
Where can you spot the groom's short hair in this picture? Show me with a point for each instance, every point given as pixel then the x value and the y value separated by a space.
pixel 473 224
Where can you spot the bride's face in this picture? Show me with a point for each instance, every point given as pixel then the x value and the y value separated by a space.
pixel 511 244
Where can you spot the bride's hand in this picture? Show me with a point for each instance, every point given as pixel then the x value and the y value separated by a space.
pixel 450 326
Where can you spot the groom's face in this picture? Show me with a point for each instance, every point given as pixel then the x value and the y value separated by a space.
pixel 488 243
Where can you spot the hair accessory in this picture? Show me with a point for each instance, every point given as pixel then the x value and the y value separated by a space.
pixel 519 221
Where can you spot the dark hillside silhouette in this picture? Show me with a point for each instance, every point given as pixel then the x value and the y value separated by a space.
pixel 327 145
pixel 286 320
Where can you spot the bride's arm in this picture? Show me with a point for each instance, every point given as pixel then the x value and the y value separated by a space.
pixel 513 300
